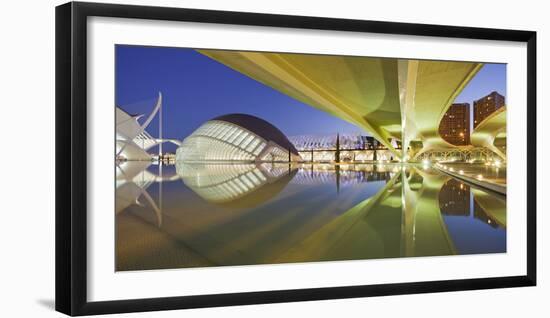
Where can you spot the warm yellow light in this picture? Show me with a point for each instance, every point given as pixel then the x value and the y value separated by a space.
pixel 480 177
pixel 461 172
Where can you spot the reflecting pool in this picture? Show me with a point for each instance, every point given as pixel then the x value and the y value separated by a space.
pixel 197 215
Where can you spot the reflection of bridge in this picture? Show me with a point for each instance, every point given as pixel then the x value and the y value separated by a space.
pixel 406 217
pixel 403 219
pixel 389 98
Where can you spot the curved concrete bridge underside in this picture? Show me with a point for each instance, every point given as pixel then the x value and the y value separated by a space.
pixel 485 133
pixel 389 98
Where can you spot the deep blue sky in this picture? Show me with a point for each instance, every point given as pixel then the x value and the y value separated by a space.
pixel 196 88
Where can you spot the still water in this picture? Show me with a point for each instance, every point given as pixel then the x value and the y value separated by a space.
pixel 197 215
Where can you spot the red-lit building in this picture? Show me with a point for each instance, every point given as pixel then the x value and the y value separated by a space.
pixel 486 105
pixel 455 125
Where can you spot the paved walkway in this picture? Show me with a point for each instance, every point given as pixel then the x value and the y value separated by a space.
pixel 489 176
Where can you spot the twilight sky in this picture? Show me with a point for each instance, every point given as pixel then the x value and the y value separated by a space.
pixel 196 88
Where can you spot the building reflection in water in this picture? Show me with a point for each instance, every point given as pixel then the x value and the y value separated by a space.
pixel 454 198
pixel 239 214
pixel 457 199
pixel 132 181
pixel 344 175
pixel 246 184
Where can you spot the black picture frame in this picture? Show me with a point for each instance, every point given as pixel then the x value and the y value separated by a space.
pixel 71 157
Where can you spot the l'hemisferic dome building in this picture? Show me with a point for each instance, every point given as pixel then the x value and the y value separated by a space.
pixel 237 137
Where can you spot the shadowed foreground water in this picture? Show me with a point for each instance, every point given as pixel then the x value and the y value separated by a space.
pixel 197 215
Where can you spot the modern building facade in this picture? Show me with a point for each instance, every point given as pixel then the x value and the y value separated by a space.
pixel 348 141
pixel 455 125
pixel 237 138
pixel 133 142
pixel 487 105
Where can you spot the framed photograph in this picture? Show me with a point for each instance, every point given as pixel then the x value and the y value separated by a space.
pixel 209 158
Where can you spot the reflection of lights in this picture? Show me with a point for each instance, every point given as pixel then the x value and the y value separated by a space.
pixel 461 171
pixel 462 186
pixel 451 169
pixel 480 177
pixel 489 221
pixel 425 162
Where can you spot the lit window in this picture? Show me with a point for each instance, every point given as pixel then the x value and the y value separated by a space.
pixel 228 133
pixel 253 145
pixel 259 149
pixel 246 141
pixel 241 184
pixel 248 182
pixel 241 138
pixel 253 177
pixel 234 136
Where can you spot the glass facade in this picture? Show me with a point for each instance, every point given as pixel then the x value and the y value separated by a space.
pixel 218 140
pixel 347 155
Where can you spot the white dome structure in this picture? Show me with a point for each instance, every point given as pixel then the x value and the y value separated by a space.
pixel 237 138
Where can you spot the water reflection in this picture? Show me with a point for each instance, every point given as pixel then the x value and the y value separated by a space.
pixel 236 214
pixel 239 185
pixel 132 181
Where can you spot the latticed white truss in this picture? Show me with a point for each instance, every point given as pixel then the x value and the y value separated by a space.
pixel 347 155
pixel 466 154
pixel 326 142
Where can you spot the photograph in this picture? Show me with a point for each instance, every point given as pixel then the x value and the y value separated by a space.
pixel 231 158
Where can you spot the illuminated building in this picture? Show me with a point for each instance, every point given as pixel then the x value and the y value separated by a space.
pixel 237 137
pixel 351 147
pixel 455 125
pixel 487 105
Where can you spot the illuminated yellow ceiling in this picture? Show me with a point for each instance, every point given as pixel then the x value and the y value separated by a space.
pixel 389 98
